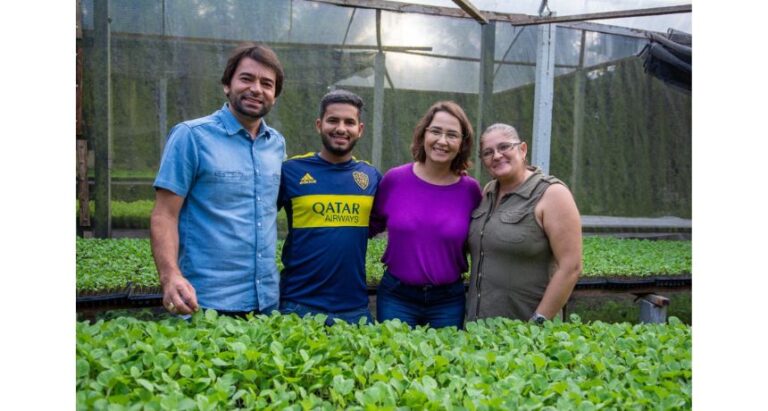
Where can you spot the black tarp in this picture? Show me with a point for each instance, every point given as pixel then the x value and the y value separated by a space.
pixel 669 58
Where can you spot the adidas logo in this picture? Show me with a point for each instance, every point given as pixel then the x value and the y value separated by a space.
pixel 307 179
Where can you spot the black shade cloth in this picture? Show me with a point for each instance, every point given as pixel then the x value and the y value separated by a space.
pixel 669 58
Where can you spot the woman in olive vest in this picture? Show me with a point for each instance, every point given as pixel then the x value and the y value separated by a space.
pixel 525 236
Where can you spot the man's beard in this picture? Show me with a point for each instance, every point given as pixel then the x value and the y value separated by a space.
pixel 341 152
pixel 238 106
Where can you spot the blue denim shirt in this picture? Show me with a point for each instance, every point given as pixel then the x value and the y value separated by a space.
pixel 228 222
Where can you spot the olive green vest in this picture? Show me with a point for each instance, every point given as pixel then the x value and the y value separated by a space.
pixel 511 258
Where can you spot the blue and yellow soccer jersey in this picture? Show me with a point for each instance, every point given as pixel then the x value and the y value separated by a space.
pixel 328 207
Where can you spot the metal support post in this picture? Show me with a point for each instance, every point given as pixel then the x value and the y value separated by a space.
pixel 543 96
pixel 162 111
pixel 379 70
pixel 578 118
pixel 485 88
pixel 102 134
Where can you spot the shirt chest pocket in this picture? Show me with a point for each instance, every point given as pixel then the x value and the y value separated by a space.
pixel 513 227
pixel 227 185
pixel 478 221
pixel 228 177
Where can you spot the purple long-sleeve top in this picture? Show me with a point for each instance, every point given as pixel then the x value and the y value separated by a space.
pixel 427 225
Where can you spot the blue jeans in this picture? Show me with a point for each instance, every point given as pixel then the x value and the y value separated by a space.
pixel 433 305
pixel 352 317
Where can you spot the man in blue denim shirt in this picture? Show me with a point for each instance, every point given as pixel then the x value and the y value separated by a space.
pixel 214 225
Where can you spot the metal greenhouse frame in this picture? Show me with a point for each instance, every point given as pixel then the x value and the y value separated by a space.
pixel 547 67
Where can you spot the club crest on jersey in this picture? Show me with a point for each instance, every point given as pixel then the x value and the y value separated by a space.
pixel 361 179
pixel 307 179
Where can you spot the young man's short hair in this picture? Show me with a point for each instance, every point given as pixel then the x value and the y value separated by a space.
pixel 343 97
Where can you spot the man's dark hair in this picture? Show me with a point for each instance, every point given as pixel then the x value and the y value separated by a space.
pixel 262 54
pixel 343 97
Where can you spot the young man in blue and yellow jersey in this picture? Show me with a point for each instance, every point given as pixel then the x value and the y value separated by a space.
pixel 328 198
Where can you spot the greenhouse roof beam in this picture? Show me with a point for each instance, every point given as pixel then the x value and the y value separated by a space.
pixel 475 59
pixel 511 44
pixel 470 9
pixel 349 25
pixel 512 18
pixel 608 29
pixel 422 9
pixel 274 45
pixel 653 11
pixel 575 22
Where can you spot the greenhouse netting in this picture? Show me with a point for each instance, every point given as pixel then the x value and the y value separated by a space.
pixel 620 138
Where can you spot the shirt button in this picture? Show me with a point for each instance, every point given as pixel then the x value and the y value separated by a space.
pixel 258 224
pixel 259 255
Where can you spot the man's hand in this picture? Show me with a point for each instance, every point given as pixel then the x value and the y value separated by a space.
pixel 179 296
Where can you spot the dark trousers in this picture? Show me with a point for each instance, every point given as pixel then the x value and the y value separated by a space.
pixel 433 305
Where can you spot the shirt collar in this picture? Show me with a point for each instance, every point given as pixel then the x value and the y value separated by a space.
pixel 352 160
pixel 524 190
pixel 233 126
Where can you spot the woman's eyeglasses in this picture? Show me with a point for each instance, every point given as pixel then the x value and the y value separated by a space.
pixel 501 148
pixel 449 135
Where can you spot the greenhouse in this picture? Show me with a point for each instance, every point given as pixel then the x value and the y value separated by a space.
pixel 600 91
pixel 595 111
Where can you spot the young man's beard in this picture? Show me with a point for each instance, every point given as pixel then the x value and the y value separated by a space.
pixel 340 152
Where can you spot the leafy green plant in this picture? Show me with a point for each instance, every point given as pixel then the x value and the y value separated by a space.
pixel 374 268
pixel 607 256
pixel 279 362
pixel 136 214
pixel 132 215
pixel 128 215
pixel 112 263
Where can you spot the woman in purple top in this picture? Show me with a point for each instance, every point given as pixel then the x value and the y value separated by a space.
pixel 425 206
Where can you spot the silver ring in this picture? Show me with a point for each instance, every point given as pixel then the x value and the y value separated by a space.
pixel 171 307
